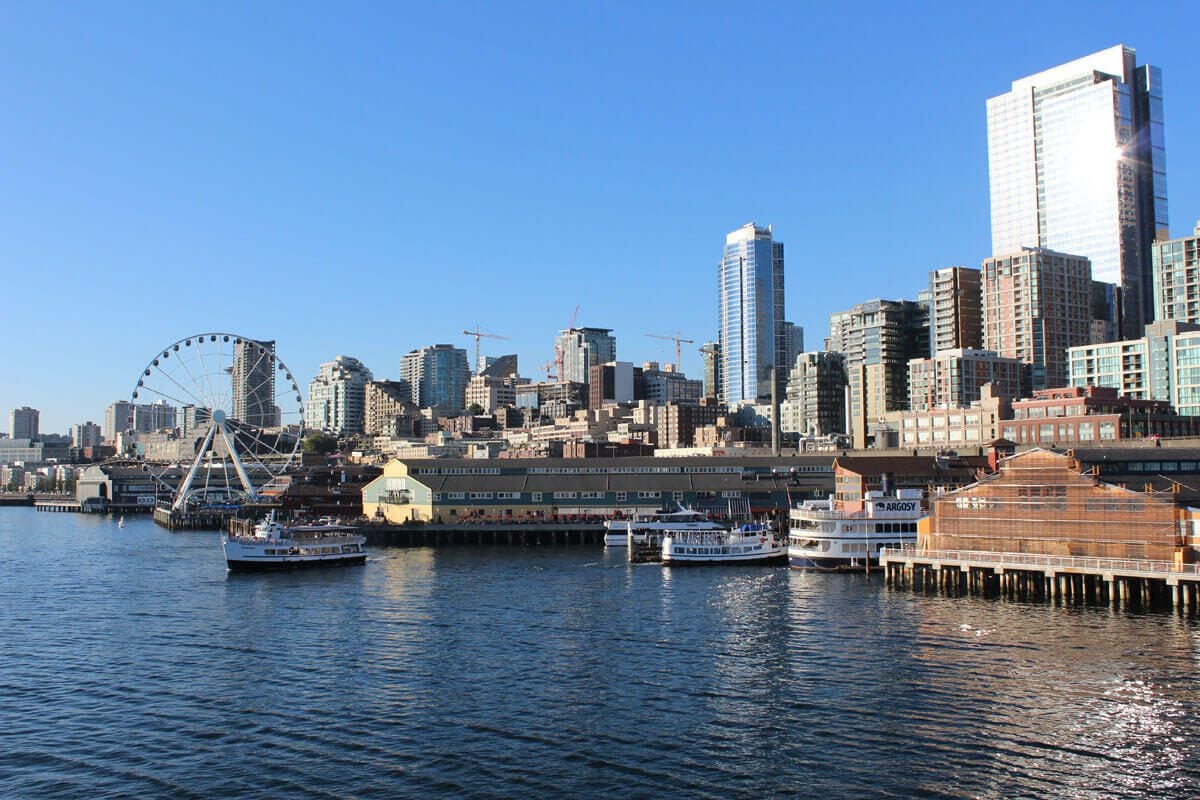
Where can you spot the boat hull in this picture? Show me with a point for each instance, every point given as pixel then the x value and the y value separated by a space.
pixel 294 562
pixel 768 560
pixel 816 564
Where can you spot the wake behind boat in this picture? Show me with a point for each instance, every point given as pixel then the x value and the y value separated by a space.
pixel 652 527
pixel 752 543
pixel 277 546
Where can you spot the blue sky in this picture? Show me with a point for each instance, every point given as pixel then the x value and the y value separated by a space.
pixel 369 178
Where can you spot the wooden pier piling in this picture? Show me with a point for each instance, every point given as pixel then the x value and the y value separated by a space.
pixel 1115 582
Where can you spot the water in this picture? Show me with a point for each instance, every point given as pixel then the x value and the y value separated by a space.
pixel 133 665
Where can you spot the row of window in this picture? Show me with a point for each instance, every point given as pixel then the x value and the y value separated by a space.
pixel 536 497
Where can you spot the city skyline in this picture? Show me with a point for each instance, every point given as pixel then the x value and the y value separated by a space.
pixel 142 192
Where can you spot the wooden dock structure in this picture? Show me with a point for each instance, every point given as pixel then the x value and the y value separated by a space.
pixel 63 505
pixel 1044 577
pixel 210 520
pixel 497 533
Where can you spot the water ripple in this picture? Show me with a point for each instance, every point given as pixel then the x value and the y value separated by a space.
pixel 132 665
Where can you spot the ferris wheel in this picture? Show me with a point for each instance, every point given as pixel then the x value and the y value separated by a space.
pixel 225 408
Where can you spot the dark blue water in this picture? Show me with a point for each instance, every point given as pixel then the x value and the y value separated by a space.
pixel 133 665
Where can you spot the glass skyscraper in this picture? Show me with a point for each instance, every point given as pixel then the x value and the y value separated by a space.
pixel 1077 164
pixel 753 337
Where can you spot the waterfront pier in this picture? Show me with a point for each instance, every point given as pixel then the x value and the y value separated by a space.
pixel 522 534
pixel 1045 577
pixel 499 533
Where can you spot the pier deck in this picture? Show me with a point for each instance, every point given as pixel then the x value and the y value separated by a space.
pixel 1101 580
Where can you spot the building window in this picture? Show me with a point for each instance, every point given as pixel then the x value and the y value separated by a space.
pixel 536 497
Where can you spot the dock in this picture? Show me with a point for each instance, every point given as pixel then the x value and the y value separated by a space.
pixel 498 533
pixel 58 505
pixel 645 548
pixel 208 520
pixel 1044 577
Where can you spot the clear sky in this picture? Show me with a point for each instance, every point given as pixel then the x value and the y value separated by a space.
pixel 369 178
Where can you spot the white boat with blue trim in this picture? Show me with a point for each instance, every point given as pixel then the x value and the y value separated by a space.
pixel 752 543
pixel 824 536
pixel 275 545
pixel 652 527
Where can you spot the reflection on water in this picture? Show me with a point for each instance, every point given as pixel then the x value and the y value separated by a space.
pixel 132 664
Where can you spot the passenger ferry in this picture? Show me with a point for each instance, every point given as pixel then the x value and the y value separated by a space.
pixel 751 543
pixel 825 537
pixel 652 527
pixel 278 546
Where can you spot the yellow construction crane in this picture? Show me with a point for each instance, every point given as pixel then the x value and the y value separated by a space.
pixel 479 334
pixel 677 339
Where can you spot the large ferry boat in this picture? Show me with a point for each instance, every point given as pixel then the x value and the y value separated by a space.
pixel 751 543
pixel 652 527
pixel 823 536
pixel 277 546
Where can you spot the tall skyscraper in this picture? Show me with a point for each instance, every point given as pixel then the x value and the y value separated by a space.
pixel 1077 164
pixel 253 379
pixel 438 376
pixel 1176 264
pixel 816 395
pixel 712 369
pixel 878 338
pixel 583 348
pixel 23 423
pixel 86 434
pixel 337 396
pixel 752 335
pixel 1036 304
pixel 118 418
pixel 954 311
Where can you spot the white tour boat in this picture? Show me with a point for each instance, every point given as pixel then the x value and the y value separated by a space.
pixel 747 544
pixel 652 527
pixel 277 546
pixel 825 537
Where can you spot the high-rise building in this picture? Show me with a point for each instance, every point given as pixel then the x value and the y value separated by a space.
pixel 750 308
pixel 1077 164
pixel 253 379
pixel 157 416
pixel 388 408
pixel 955 378
pixel 954 310
pixel 878 338
pixel 437 376
pixel 613 383
pixel 712 369
pixel 1146 368
pixel 23 423
pixel 816 395
pixel 663 385
pixel 1036 304
pixel 337 397
pixel 118 418
pixel 86 434
pixel 583 348
pixel 1176 264
pixel 793 337
pixel 492 392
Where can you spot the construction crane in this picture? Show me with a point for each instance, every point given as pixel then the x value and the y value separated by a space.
pixel 548 368
pixel 677 339
pixel 479 334
pixel 559 355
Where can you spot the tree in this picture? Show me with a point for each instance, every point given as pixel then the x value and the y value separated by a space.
pixel 475 410
pixel 318 442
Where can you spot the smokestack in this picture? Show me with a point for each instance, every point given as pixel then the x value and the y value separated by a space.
pixel 774 414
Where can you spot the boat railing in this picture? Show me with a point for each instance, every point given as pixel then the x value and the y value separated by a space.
pixel 1082 563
